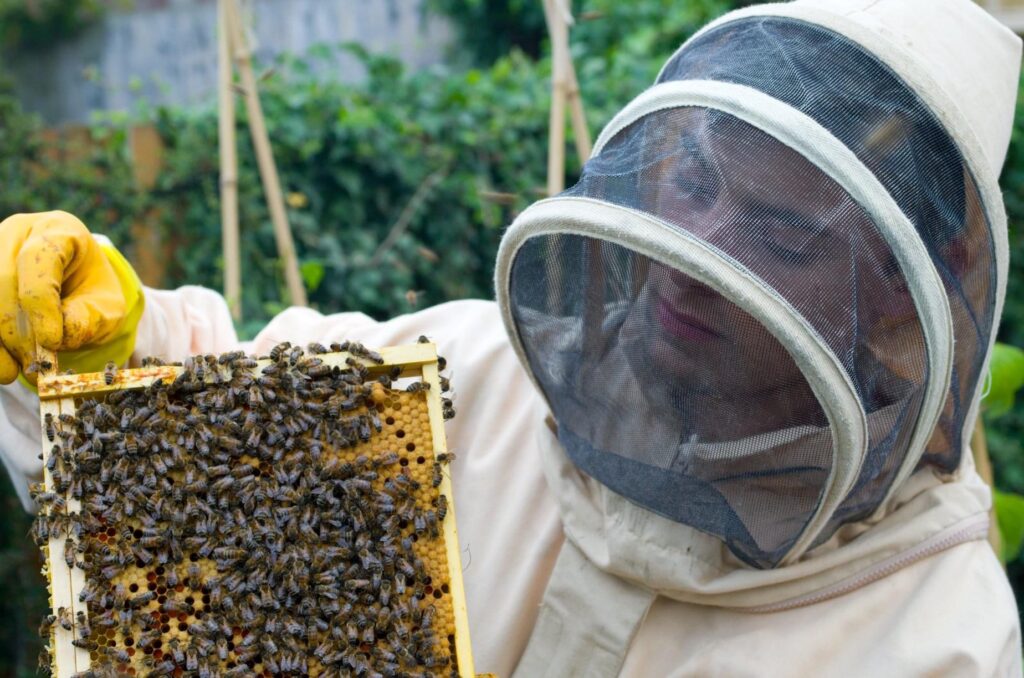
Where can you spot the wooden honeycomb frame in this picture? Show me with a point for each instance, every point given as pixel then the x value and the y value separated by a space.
pixel 57 394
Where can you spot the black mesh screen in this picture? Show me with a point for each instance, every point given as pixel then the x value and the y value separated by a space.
pixel 670 394
pixel 864 104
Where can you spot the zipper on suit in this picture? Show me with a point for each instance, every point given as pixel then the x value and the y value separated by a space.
pixel 968 530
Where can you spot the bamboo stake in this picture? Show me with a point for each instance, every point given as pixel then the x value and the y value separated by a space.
pixel 265 157
pixel 228 167
pixel 979 448
pixel 565 89
pixel 559 32
pixel 558 15
pixel 580 132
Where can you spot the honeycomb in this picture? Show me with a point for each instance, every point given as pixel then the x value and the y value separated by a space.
pixel 314 546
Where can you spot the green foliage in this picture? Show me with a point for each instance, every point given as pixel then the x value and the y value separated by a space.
pixel 17 134
pixel 1010 517
pixel 350 159
pixel 1006 377
pixel 636 35
pixel 32 24
pixel 489 29
pixel 1006 373
pixel 23 602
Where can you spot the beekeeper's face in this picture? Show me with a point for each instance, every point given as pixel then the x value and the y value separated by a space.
pixel 777 215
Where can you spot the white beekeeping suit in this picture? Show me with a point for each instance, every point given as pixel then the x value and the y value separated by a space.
pixel 716 423
pixel 763 315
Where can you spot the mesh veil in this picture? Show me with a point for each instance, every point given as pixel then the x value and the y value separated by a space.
pixel 669 393
pixel 864 104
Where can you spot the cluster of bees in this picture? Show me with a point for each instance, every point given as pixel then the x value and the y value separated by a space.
pixel 230 524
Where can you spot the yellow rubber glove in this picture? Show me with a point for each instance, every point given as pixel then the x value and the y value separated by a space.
pixel 62 289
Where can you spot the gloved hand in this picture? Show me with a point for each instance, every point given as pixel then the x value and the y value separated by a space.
pixel 62 289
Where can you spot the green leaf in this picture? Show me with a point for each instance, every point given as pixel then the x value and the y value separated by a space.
pixel 1010 518
pixel 1007 375
pixel 312 274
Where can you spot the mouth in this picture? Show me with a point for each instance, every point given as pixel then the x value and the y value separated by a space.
pixel 682 325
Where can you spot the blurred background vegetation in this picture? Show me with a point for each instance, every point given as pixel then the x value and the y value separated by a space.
pixel 469 138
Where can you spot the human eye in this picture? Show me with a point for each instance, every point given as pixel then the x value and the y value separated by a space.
pixel 789 255
pixel 791 245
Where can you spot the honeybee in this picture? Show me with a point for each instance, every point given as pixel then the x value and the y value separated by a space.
pixel 117 654
pixel 56 502
pixel 230 357
pixel 41 530
pixel 84 643
pixel 109 373
pixel 175 606
pixel 435 661
pixel 69 552
pixel 432 520
pixel 48 425
pixel 83 625
pixel 176 651
pixel 278 351
pixel 164 668
pixel 39 366
pixel 65 619
pixel 191 659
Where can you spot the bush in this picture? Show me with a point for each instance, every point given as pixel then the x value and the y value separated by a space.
pixel 350 158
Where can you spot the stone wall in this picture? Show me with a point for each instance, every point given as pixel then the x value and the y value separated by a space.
pixel 166 50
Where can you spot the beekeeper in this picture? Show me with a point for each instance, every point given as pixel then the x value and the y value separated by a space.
pixel 717 421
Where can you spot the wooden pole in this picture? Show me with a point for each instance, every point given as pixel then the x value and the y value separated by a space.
pixel 580 131
pixel 149 250
pixel 565 89
pixel 558 15
pixel 979 448
pixel 228 166
pixel 265 157
pixel 559 32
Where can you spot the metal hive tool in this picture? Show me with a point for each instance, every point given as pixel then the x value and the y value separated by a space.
pixel 176 600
